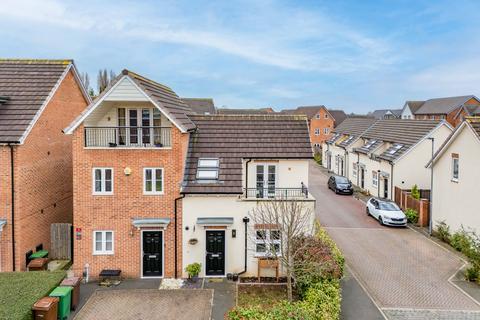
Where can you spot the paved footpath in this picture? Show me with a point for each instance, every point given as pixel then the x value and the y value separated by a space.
pixel 406 274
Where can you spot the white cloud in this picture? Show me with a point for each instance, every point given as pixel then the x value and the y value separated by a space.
pixel 285 37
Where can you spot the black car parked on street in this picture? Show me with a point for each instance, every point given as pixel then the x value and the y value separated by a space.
pixel 340 185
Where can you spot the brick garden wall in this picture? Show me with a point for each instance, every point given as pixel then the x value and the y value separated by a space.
pixel 115 212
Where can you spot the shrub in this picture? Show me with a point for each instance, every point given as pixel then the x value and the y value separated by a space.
pixel 323 299
pixel 415 192
pixel 318 157
pixel 412 215
pixel 193 269
pixel 472 273
pixel 442 231
pixel 461 241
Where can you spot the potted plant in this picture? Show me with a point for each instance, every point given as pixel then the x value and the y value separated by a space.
pixel 193 270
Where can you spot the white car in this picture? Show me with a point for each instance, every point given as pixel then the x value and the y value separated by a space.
pixel 386 212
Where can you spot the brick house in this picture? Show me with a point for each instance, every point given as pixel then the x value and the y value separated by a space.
pixel 452 109
pixel 129 151
pixel 38 99
pixel 321 122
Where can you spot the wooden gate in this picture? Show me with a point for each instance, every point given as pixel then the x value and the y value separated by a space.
pixel 61 241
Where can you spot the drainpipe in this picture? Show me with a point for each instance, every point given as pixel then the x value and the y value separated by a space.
pixel 378 183
pixel 391 181
pixel 431 189
pixel 176 234
pixel 12 191
pixel 245 220
pixel 358 169
pixel 246 177
pixel 346 163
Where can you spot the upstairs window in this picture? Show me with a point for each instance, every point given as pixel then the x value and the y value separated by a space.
pixel 325 130
pixel 375 178
pixel 326 116
pixel 207 169
pixel 317 131
pixel 102 181
pixel 455 167
pixel 317 116
pixel 153 181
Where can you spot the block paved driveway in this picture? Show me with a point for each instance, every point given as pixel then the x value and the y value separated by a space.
pixel 405 273
pixel 180 304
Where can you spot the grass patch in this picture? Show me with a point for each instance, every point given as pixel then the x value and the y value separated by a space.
pixel 263 296
pixel 20 290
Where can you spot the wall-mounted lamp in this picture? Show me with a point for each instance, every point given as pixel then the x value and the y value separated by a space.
pixel 127 171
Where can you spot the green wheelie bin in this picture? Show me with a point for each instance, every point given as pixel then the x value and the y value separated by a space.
pixel 64 294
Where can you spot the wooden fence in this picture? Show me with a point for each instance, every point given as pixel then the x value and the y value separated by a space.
pixel 61 241
pixel 405 201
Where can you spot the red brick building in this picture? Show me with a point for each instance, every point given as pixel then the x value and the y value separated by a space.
pixel 129 152
pixel 38 98
pixel 321 122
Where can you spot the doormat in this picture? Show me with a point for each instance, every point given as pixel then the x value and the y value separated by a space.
pixel 215 280
pixel 171 284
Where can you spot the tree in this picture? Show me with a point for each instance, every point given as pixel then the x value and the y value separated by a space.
pixel 282 221
pixel 415 192
pixel 104 79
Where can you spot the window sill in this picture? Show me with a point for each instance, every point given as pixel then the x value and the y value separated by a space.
pixel 153 193
pixel 454 180
pixel 103 253
pixel 102 194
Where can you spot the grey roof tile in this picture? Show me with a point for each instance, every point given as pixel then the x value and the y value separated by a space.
pixel 201 105
pixel 443 105
pixel 24 87
pixel 232 138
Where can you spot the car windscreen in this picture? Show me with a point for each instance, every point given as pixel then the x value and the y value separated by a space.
pixel 342 180
pixel 389 206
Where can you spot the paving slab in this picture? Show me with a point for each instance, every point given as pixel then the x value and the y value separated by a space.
pixel 179 304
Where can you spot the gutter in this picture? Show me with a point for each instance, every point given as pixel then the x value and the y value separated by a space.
pixel 176 234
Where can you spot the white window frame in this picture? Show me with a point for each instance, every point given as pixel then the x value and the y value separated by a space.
pixel 317 131
pixel 154 177
pixel 208 165
pixel 102 192
pixel 325 130
pixel 375 178
pixel 267 242
pixel 457 161
pixel 317 116
pixel 326 116
pixel 103 251
pixel 354 171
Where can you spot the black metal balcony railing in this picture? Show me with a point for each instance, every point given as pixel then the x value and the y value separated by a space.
pixel 276 193
pixel 132 137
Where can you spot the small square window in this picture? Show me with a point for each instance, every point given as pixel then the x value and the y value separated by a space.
pixel 208 169
pixel 317 131
pixel 103 242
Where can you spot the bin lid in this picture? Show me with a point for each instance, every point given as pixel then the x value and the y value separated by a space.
pixel 60 291
pixel 39 254
pixel 72 281
pixel 37 263
pixel 45 303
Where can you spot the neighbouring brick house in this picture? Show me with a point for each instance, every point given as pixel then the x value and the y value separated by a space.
pixel 129 151
pixel 321 122
pixel 452 109
pixel 38 98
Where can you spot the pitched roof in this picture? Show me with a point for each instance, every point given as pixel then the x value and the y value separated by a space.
pixel 201 105
pixel 245 111
pixel 380 114
pixel 309 111
pixel 26 87
pixel 401 132
pixel 160 95
pixel 232 138
pixel 338 116
pixel 443 105
pixel 354 126
pixel 414 105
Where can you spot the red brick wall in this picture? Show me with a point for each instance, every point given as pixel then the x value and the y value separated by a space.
pixel 321 124
pixel 115 212
pixel 5 210
pixel 43 172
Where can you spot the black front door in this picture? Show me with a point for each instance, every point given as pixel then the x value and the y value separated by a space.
pixel 152 253
pixel 362 178
pixel 215 260
pixel 385 188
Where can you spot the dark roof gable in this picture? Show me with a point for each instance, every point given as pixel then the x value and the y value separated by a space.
pixel 201 105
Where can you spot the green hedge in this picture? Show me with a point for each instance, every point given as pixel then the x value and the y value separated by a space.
pixel 319 287
pixel 20 290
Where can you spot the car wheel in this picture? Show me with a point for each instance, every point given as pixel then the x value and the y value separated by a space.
pixel 368 211
pixel 380 220
pixel 336 191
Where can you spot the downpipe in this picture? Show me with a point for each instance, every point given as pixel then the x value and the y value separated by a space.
pixel 235 276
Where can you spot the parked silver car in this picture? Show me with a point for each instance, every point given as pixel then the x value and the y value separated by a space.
pixel 386 212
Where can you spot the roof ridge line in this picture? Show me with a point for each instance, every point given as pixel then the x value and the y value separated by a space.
pixel 35 61
pixel 128 72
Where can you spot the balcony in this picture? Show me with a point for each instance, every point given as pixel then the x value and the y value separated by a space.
pixel 276 193
pixel 128 137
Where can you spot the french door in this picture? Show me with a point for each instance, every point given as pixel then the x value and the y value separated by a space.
pixel 139 126
pixel 266 180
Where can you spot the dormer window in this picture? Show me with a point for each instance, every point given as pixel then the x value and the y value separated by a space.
pixel 207 169
pixel 395 148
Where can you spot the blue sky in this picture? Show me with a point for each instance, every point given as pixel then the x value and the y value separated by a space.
pixel 355 55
